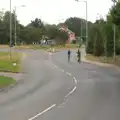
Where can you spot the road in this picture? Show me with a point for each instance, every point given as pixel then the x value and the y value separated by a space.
pixel 53 89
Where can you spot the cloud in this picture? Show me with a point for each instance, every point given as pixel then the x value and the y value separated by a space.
pixel 54 11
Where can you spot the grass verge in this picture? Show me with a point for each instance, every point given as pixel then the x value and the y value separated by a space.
pixel 7 64
pixel 6 81
pixel 4 46
pixel 103 59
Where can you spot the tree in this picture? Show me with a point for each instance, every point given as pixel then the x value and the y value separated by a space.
pixel 61 37
pixel 51 31
pixel 74 24
pixel 37 23
pixel 95 41
pixel 115 13
pixel 4 26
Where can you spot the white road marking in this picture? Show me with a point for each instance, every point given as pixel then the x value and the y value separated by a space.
pixel 68 73
pixel 71 91
pixel 41 113
pixel 60 106
pixel 62 70
pixel 55 66
pixel 75 80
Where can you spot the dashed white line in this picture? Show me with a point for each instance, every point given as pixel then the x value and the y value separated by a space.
pixel 71 91
pixel 41 113
pixel 68 73
pixel 61 105
pixel 75 80
pixel 55 66
pixel 62 70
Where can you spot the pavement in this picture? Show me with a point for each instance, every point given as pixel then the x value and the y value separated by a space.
pixel 53 89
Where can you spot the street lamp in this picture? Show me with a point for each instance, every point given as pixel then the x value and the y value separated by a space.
pixel 81 29
pixel 86 21
pixel 114 38
pixel 10 30
pixel 16 21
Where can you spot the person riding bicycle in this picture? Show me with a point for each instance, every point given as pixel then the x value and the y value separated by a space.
pixel 78 55
pixel 69 53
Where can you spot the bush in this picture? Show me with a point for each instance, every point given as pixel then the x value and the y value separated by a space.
pixel 74 42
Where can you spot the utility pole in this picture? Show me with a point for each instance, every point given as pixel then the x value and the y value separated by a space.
pixel 81 30
pixel 86 44
pixel 86 25
pixel 10 31
pixel 114 39
pixel 15 24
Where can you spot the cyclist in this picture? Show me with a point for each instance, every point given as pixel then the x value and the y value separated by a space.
pixel 69 53
pixel 78 55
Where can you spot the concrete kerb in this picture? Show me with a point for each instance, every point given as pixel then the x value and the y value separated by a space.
pixel 101 64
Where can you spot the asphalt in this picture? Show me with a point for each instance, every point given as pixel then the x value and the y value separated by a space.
pixel 53 89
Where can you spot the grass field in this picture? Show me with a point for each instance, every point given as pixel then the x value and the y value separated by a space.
pixel 102 59
pixel 44 47
pixel 6 81
pixel 6 64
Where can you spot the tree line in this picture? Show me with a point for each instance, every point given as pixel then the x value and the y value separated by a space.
pixel 37 30
pixel 101 35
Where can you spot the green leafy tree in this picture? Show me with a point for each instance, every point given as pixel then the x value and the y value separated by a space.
pixel 51 31
pixel 62 37
pixel 95 41
pixel 74 24
pixel 115 13
pixel 37 23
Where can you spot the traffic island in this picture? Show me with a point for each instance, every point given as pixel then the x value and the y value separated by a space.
pixel 8 64
pixel 6 82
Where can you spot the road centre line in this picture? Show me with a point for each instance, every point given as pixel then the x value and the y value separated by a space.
pixel 71 91
pixel 41 113
pixel 62 70
pixel 68 73
pixel 75 80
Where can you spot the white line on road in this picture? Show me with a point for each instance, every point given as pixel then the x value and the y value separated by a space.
pixel 68 73
pixel 62 70
pixel 41 113
pixel 75 80
pixel 71 91
pixel 55 66
pixel 61 105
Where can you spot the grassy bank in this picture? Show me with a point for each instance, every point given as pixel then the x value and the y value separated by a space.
pixel 103 59
pixel 6 81
pixel 7 64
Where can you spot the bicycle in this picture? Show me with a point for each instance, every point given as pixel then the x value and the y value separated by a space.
pixel 68 58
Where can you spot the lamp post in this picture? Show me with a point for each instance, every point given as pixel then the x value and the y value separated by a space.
pixel 114 38
pixel 81 30
pixel 86 21
pixel 10 31
pixel 15 22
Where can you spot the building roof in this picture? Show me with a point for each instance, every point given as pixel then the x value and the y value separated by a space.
pixel 68 30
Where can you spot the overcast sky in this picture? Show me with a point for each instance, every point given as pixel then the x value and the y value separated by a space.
pixel 54 11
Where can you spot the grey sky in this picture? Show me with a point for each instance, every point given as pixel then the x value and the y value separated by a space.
pixel 54 11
